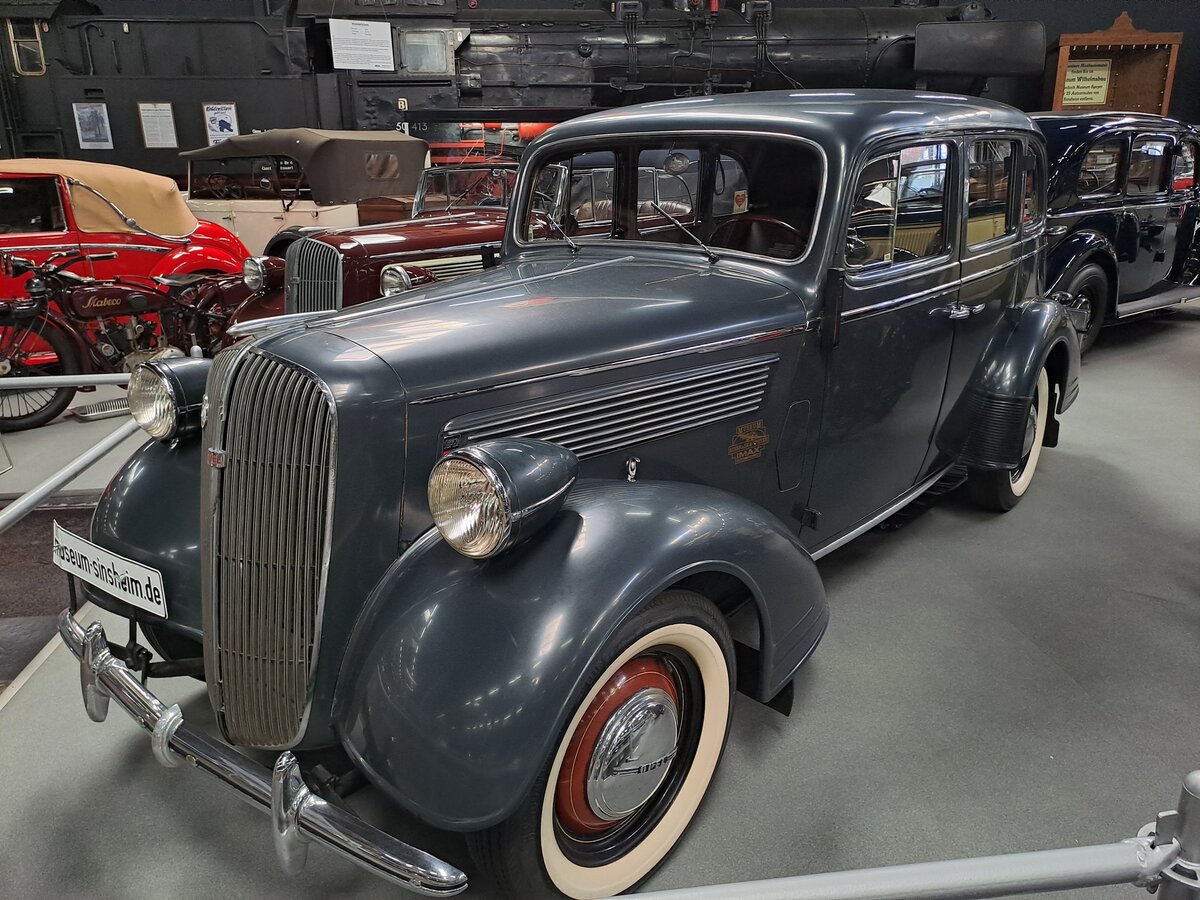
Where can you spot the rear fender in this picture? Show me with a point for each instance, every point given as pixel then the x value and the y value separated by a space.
pixel 1083 247
pixel 985 428
pixel 460 674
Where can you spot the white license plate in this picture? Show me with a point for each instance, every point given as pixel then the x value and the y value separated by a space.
pixel 137 585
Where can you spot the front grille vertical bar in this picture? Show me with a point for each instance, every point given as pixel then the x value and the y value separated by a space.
pixel 270 541
pixel 312 277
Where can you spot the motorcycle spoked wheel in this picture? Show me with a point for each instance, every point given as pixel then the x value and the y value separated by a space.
pixel 36 347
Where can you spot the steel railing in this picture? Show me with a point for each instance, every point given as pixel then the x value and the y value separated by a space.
pixel 27 502
pixel 1164 857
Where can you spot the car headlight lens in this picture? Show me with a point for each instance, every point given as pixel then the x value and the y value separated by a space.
pixel 469 507
pixel 492 495
pixel 394 279
pixel 254 273
pixel 152 402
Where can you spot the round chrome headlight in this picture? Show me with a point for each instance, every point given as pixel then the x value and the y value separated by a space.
pixel 490 496
pixel 254 273
pixel 152 402
pixel 469 506
pixel 394 279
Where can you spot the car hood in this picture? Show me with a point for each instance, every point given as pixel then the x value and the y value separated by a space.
pixel 546 315
pixel 433 232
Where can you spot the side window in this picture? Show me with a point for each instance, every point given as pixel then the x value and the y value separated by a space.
pixel 1101 169
pixel 25 42
pixel 30 205
pixel 990 178
pixel 1183 176
pixel 899 210
pixel 1148 166
pixel 1033 204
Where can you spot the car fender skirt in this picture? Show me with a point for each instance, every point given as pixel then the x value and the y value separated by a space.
pixel 985 427
pixel 150 513
pixel 460 674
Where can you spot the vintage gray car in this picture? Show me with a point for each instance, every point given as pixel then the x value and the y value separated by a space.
pixel 488 537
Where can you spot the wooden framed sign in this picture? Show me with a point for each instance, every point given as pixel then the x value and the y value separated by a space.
pixel 1120 68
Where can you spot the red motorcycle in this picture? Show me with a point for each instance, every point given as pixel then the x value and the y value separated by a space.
pixel 70 324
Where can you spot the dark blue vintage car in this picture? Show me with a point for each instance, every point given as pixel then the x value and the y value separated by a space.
pixel 1124 204
pixel 487 537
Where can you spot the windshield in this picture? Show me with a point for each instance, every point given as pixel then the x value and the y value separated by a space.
pixel 750 195
pixel 248 178
pixel 462 187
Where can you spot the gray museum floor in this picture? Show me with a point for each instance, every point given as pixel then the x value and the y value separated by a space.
pixel 988 684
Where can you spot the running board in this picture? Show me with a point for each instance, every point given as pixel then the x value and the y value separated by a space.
pixel 104 409
pixel 1158 301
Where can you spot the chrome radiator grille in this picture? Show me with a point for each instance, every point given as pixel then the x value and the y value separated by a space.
pixel 312 277
pixel 589 423
pixel 269 545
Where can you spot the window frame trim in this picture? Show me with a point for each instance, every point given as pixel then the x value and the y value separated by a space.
pixel 12 48
pixel 1165 190
pixel 1013 213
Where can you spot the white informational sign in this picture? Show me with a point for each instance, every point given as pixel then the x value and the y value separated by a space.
pixel 137 585
pixel 91 125
pixel 220 121
pixel 158 125
pixel 362 45
pixel 1086 83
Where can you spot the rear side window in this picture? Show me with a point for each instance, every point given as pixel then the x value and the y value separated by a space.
pixel 899 211
pixel 1032 206
pixel 991 176
pixel 30 205
pixel 1183 176
pixel 1101 169
pixel 1148 166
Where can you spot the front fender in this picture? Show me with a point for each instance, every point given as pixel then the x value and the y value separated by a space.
pixel 197 258
pixel 150 513
pixel 986 426
pixel 460 675
pixel 1065 258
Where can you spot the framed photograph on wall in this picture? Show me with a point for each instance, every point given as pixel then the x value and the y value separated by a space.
pixel 220 121
pixel 92 126
pixel 158 125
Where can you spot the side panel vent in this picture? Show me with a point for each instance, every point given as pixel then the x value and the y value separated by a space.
pixel 601 420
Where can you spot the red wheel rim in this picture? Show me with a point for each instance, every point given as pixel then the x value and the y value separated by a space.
pixel 570 797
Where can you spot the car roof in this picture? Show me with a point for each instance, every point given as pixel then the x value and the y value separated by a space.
pixel 832 118
pixel 1104 119
pixel 99 190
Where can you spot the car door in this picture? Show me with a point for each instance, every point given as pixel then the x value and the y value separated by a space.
pixel 1003 223
pixel 886 376
pixel 1153 213
pixel 34 222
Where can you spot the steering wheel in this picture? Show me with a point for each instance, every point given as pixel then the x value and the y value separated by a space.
pixel 224 189
pixel 730 225
pixel 1092 181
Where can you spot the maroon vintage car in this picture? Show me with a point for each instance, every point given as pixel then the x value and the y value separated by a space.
pixel 456 228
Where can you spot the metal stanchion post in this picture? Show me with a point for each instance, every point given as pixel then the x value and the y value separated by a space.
pixel 1181 881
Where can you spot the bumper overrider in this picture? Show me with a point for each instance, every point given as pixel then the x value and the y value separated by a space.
pixel 298 816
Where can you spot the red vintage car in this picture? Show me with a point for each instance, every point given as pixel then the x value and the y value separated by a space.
pixel 52 206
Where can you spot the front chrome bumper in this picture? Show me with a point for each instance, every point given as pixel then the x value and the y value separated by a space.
pixel 298 816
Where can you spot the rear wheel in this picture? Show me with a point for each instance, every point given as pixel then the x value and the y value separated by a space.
pixel 1089 291
pixel 627 775
pixel 35 347
pixel 1002 489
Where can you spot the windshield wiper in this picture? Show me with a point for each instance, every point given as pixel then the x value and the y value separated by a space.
pixel 566 237
pixel 712 257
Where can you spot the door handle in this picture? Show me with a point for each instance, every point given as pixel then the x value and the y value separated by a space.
pixel 1056 230
pixel 957 310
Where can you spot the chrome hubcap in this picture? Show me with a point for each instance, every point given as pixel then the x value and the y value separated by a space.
pixel 633 754
pixel 5 367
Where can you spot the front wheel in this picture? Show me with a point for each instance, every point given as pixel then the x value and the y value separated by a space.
pixel 35 347
pixel 628 774
pixel 1002 489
